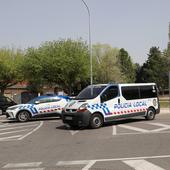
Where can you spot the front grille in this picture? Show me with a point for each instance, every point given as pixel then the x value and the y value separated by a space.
pixel 71 110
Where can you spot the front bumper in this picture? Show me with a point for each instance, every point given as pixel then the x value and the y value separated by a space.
pixel 80 119
pixel 10 115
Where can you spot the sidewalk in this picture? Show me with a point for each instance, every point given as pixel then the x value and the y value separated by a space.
pixel 165 111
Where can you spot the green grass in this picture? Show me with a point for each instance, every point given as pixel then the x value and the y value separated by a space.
pixel 164 104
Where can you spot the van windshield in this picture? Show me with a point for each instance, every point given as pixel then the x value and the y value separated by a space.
pixel 86 93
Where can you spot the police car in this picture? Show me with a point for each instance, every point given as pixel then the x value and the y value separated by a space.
pixel 101 103
pixel 40 106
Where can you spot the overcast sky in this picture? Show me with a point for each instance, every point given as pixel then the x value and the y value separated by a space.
pixel 135 25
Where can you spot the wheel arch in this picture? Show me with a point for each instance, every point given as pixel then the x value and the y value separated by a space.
pixel 22 111
pixel 151 107
pixel 99 114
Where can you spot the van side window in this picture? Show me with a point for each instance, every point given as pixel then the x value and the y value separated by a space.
pixel 148 92
pixel 109 93
pixel 130 92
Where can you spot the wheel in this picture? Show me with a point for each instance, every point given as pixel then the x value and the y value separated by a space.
pixel 23 116
pixel 96 121
pixel 150 114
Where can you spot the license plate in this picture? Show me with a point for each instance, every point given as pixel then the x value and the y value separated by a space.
pixel 68 118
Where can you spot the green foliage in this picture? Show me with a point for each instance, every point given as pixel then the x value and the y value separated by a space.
pixel 63 62
pixel 126 66
pixel 105 67
pixel 155 69
pixel 32 70
pixel 10 73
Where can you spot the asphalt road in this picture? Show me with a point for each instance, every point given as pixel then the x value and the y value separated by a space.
pixel 48 144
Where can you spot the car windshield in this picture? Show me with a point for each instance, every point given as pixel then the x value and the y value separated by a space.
pixel 33 100
pixel 86 93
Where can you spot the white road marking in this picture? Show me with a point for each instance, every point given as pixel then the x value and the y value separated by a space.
pixel 80 162
pixel 21 165
pixel 61 163
pixel 10 137
pixel 142 165
pixel 164 128
pixel 134 128
pixel 16 131
pixel 4 125
pixel 18 127
pixel 159 124
pixel 139 133
pixel 89 165
pixel 73 132
pixel 114 130
pixel 18 124
pixel 159 130
pixel 41 123
pixel 30 169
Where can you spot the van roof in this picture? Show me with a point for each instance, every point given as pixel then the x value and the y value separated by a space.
pixel 125 84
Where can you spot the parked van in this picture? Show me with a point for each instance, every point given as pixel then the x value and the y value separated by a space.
pixel 101 103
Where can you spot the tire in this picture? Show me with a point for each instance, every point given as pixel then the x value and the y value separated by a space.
pixel 150 114
pixel 23 116
pixel 96 121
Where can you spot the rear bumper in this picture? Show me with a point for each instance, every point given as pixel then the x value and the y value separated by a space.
pixel 80 119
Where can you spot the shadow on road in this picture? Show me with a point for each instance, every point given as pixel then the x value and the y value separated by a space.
pixel 114 123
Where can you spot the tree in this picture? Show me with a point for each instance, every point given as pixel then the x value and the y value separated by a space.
pixel 126 65
pixel 33 70
pixel 64 63
pixel 105 64
pixel 155 69
pixel 10 73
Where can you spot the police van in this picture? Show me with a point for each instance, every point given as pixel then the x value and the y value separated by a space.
pixel 101 103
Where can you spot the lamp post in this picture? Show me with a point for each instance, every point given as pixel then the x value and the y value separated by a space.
pixel 90 47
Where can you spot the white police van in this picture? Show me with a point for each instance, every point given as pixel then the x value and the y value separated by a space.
pixel 102 103
pixel 38 107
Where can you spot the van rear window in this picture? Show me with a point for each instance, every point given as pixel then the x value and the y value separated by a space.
pixel 148 92
pixel 139 92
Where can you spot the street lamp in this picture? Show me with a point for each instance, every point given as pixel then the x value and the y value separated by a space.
pixel 90 48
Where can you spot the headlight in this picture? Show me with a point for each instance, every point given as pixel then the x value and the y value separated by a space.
pixel 83 107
